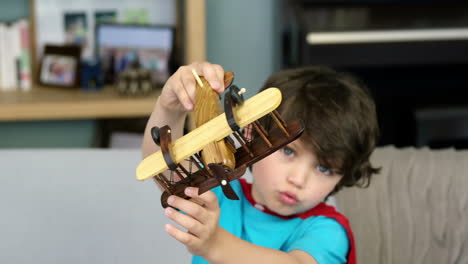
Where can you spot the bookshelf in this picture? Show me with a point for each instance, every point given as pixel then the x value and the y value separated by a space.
pixel 47 103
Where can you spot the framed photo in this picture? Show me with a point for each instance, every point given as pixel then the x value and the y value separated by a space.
pixel 150 46
pixel 60 66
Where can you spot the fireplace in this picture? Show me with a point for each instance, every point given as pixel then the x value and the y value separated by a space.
pixel 413 55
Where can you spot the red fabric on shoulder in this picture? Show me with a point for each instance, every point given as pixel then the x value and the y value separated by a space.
pixel 321 209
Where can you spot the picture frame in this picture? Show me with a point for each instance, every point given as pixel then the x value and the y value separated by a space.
pixel 60 66
pixel 151 47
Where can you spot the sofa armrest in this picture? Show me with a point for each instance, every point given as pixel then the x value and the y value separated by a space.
pixel 415 211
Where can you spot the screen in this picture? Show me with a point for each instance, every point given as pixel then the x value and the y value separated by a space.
pixel 120 46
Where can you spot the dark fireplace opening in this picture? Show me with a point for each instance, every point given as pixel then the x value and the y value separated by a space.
pixel 419 105
pixel 411 54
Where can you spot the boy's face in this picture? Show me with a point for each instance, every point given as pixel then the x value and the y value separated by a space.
pixel 291 180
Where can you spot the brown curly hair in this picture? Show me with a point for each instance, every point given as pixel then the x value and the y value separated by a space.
pixel 339 115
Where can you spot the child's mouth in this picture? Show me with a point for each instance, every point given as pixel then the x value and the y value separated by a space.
pixel 288 198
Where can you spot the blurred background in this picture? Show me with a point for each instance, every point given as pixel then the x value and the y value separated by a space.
pixel 412 54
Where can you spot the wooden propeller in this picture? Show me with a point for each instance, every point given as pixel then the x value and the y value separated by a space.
pixel 207 107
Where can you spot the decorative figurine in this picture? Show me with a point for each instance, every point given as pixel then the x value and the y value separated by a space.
pixel 134 81
pixel 91 75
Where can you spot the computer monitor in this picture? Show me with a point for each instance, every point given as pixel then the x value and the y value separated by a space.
pixel 118 46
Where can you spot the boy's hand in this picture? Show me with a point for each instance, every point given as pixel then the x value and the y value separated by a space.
pixel 178 93
pixel 200 221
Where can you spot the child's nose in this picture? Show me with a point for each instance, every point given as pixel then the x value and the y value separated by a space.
pixel 298 178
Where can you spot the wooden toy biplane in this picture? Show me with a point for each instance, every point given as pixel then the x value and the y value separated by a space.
pixel 207 156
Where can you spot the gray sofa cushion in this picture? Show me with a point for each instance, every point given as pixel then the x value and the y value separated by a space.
pixel 81 206
pixel 415 211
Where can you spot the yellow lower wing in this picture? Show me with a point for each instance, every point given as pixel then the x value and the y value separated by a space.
pixel 213 130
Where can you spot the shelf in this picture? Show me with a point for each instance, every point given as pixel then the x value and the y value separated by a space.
pixel 435 52
pixel 385 36
pixel 45 103
pixel 374 2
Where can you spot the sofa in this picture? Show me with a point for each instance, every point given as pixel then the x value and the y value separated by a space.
pixel 81 206
pixel 415 211
pixel 85 206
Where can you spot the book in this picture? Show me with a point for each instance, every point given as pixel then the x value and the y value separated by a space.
pixel 7 60
pixel 24 56
pixel 15 59
pixel 3 78
pixel 14 52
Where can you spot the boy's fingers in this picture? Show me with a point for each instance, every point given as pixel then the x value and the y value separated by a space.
pixel 188 83
pixel 183 97
pixel 213 73
pixel 210 75
pixel 189 207
pixel 220 76
pixel 183 237
pixel 207 199
pixel 187 222
pixel 196 209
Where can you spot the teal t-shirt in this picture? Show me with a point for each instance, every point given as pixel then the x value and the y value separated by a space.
pixel 322 237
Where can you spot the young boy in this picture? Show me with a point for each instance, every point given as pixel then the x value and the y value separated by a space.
pixel 281 217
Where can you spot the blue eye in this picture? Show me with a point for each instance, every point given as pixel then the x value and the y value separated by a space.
pixel 288 151
pixel 323 169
